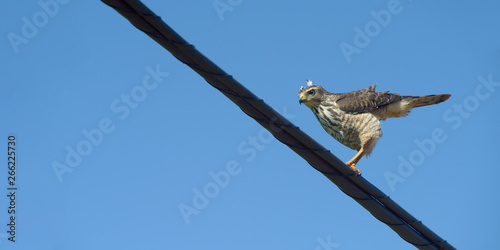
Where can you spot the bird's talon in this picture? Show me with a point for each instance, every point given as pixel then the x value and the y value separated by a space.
pixel 353 168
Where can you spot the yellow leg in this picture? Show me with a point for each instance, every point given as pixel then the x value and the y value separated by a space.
pixel 352 163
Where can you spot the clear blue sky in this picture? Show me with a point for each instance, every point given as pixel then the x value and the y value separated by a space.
pixel 119 145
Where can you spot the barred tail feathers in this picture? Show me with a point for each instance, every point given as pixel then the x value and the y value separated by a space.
pixel 420 101
pixel 403 107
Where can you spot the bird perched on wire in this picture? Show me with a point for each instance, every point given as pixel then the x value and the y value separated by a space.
pixel 353 118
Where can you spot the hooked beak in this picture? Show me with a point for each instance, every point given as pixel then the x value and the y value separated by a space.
pixel 301 98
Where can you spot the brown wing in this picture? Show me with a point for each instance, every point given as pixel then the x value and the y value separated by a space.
pixel 365 100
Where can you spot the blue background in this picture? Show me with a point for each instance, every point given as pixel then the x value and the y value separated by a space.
pixel 69 66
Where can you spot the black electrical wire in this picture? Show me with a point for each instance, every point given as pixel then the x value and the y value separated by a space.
pixel 355 186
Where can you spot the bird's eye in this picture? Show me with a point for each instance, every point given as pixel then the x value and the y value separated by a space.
pixel 311 92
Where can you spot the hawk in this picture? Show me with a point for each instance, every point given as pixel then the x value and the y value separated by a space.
pixel 353 118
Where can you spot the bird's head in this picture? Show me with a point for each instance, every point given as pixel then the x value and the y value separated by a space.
pixel 312 95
